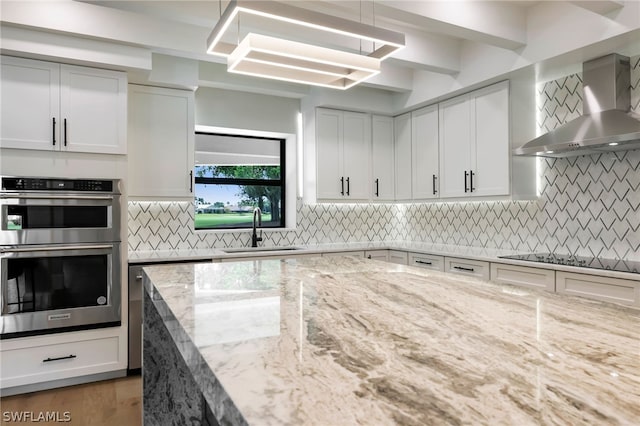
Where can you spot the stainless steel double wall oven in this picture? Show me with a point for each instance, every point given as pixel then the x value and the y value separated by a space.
pixel 59 255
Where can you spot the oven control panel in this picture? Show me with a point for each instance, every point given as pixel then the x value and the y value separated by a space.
pixel 53 184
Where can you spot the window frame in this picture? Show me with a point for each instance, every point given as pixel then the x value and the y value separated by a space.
pixel 282 182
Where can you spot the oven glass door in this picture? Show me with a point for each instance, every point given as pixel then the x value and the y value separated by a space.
pixel 47 217
pixel 57 282
pixel 46 287
pixel 54 218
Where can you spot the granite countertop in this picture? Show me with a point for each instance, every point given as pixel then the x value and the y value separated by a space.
pixel 354 341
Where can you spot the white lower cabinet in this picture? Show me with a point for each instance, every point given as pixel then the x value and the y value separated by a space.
pixel 276 257
pixel 344 253
pixel 474 268
pixel 397 256
pixel 36 360
pixel 382 255
pixel 427 261
pixel 614 290
pixel 523 276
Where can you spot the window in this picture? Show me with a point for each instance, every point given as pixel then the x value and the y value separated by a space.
pixel 234 175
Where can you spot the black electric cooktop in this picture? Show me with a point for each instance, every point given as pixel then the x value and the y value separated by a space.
pixel 579 261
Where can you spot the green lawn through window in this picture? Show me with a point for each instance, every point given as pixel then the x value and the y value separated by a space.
pixel 207 220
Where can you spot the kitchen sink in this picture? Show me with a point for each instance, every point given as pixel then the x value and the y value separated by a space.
pixel 260 249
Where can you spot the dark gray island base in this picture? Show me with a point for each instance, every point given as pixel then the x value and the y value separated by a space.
pixel 349 341
pixel 171 393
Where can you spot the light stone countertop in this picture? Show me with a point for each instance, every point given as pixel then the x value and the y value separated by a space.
pixel 354 341
pixel 476 253
pixel 465 252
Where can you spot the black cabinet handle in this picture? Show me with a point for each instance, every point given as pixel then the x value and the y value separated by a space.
pixel 65 131
pixel 59 358
pixel 422 262
pixel 191 181
pixel 377 187
pixel 466 175
pixel 460 268
pixel 435 191
pixel 347 186
pixel 342 185
pixel 471 180
pixel 54 131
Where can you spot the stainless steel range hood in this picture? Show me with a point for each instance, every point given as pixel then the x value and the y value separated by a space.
pixel 606 123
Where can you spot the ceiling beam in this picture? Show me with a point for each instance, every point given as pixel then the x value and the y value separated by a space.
pixel 496 23
pixel 106 23
pixel 601 7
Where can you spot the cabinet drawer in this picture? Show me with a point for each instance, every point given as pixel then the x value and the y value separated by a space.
pixel 397 256
pixel 614 290
pixel 474 268
pixel 382 255
pixel 523 276
pixel 427 261
pixel 59 361
pixel 345 253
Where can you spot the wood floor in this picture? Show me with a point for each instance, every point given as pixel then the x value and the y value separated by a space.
pixel 116 402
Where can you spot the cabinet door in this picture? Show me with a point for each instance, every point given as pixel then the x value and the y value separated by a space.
pixel 382 255
pixel 455 147
pixel 93 106
pixel 491 149
pixel 382 187
pixel 402 128
pixel 399 257
pixel 356 155
pixel 161 139
pixel 30 92
pixel 425 156
pixel 329 154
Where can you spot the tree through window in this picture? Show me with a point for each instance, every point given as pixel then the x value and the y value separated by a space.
pixel 233 176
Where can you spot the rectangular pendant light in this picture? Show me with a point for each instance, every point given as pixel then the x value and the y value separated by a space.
pixel 270 57
pixel 387 41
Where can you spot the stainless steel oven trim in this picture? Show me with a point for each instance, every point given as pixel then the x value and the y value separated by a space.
pixel 39 196
pixel 91 317
pixel 61 235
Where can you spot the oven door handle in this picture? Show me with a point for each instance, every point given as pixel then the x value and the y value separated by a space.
pixel 16 249
pixel 56 197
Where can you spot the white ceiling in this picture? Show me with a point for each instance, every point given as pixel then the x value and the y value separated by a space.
pixel 450 45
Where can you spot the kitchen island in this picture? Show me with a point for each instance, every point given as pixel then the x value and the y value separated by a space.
pixel 355 341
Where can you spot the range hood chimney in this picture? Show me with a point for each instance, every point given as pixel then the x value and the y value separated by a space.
pixel 606 124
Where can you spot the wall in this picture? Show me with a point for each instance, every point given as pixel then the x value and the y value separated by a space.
pixel 242 110
pixel 589 205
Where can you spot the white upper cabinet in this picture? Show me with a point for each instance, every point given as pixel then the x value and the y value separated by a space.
pixel 425 158
pixel 30 114
pixel 343 142
pixel 94 110
pixel 455 146
pixel 474 143
pixel 161 142
pixel 403 160
pixel 492 154
pixel 49 106
pixel 382 164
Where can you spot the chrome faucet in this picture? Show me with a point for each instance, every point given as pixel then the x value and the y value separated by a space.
pixel 254 237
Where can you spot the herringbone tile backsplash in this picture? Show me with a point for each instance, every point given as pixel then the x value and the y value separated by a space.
pixel 589 206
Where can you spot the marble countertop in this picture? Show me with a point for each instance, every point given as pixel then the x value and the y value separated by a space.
pixel 354 341
pixel 466 252
pixel 476 253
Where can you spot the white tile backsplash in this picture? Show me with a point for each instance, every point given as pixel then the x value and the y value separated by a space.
pixel 589 205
